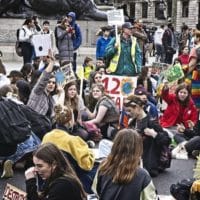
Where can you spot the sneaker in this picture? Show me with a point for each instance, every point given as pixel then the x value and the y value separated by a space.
pixel 180 152
pixel 7 169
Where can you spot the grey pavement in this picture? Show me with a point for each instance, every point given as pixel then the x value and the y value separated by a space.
pixel 180 169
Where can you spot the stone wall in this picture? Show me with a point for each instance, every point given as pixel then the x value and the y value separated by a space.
pixel 8 37
pixel 192 19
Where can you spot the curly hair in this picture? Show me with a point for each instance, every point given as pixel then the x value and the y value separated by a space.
pixel 63 114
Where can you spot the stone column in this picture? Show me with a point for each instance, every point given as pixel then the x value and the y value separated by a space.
pixel 138 10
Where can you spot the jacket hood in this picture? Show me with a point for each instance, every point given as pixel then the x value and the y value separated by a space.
pixel 73 16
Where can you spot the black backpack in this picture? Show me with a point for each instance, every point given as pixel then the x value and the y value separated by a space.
pixel 14 126
pixel 40 124
pixel 181 190
pixel 18 44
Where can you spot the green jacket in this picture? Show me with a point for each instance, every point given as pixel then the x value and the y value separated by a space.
pixel 129 62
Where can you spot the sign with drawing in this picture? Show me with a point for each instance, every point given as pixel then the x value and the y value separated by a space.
pixel 119 87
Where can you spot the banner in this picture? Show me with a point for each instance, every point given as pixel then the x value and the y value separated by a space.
pixel 42 44
pixel 115 17
pixel 119 87
pixel 13 193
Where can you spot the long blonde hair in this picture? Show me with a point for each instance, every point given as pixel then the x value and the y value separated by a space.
pixel 124 159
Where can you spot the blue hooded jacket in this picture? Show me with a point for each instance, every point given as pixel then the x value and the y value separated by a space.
pixel 77 40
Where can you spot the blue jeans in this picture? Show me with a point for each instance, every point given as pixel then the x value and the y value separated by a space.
pixel 28 146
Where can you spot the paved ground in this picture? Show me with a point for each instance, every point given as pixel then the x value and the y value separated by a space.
pixel 180 169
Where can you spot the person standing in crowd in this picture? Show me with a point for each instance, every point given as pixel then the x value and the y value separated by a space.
pixel 184 38
pixel 102 42
pixel 154 137
pixel 194 68
pixel 123 53
pixel 169 43
pixel 46 30
pixel 184 56
pixel 60 180
pixel 128 179
pixel 65 34
pixel 139 32
pixel 77 39
pixel 25 36
pixel 158 43
pixel 37 27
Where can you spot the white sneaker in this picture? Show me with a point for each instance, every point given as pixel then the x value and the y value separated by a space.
pixel 180 152
pixel 182 155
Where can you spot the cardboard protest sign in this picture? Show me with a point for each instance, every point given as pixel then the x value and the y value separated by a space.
pixel 118 87
pixel 115 17
pixel 42 44
pixel 65 74
pixel 13 193
pixel 174 73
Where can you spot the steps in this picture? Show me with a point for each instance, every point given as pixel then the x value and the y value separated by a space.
pixel 9 54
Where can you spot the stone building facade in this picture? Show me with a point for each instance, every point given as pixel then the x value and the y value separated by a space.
pixel 151 11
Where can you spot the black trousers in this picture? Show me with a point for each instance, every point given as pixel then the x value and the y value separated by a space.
pixel 27 52
pixel 193 144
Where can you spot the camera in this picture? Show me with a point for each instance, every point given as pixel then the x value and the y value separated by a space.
pixel 70 29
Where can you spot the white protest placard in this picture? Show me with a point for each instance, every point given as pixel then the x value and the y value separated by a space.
pixel 42 44
pixel 115 17
pixel 11 192
pixel 119 87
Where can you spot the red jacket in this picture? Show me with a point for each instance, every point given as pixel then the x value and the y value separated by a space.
pixel 171 114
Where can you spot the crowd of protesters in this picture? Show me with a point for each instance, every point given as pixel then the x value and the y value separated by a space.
pixel 64 164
